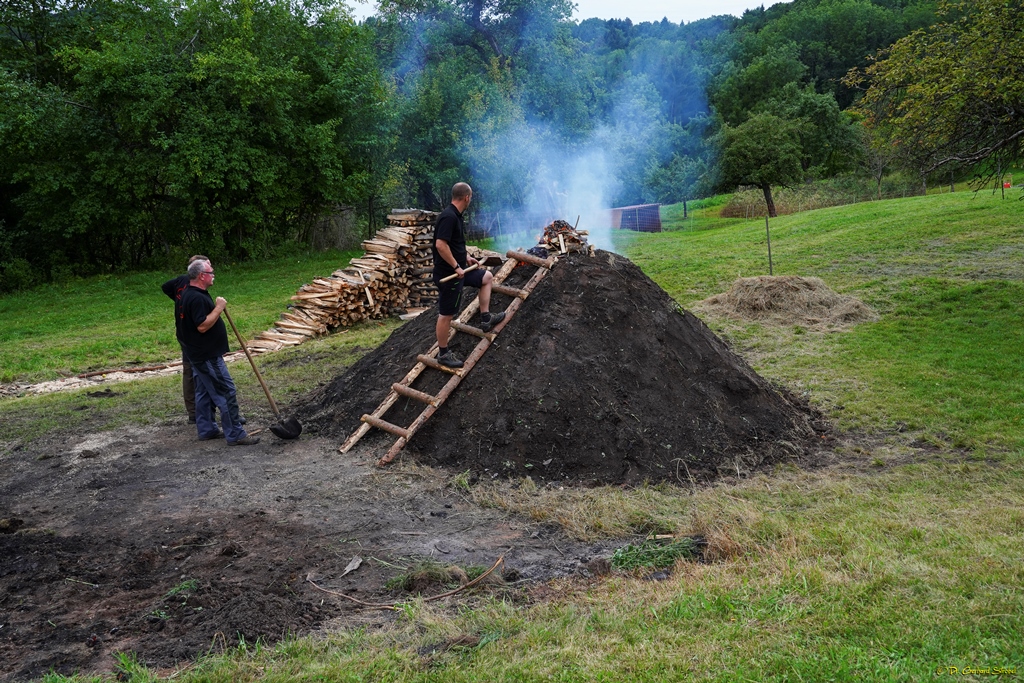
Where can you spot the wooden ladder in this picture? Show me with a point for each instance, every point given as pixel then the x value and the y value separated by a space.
pixel 429 359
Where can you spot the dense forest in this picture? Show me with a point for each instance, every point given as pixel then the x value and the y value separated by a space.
pixel 133 133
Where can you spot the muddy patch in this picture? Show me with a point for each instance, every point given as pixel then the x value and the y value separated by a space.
pixel 151 542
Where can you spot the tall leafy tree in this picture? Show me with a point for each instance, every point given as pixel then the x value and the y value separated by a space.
pixel 201 124
pixel 952 94
pixel 830 141
pixel 764 151
pixel 742 89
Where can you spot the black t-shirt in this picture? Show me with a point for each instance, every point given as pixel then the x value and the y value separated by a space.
pixel 450 228
pixel 195 305
pixel 174 289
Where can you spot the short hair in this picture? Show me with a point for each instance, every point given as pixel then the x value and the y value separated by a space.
pixel 198 257
pixel 196 268
pixel 461 191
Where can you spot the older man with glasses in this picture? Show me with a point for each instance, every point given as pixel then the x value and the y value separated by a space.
pixel 204 339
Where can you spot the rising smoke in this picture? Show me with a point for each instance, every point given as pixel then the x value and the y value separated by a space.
pixel 526 180
pixel 526 174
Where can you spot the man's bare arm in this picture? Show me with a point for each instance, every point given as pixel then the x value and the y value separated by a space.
pixel 219 305
pixel 446 254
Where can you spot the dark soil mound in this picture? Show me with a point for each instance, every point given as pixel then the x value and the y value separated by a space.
pixel 599 377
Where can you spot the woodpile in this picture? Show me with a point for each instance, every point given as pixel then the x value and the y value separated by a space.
pixel 562 238
pixel 393 275
pixel 420 259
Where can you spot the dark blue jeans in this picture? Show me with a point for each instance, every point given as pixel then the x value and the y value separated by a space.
pixel 214 387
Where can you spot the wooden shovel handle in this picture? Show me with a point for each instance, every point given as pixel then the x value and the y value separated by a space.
pixel 464 270
pixel 248 355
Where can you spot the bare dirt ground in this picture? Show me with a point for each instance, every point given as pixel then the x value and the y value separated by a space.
pixel 152 542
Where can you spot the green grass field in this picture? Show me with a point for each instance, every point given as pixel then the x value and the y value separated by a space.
pixel 900 561
pixel 116 321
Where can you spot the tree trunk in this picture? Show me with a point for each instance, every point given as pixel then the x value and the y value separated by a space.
pixel 684 208
pixel 769 202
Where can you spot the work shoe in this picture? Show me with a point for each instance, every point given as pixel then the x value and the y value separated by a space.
pixel 450 360
pixel 215 435
pixel 241 420
pixel 246 441
pixel 492 320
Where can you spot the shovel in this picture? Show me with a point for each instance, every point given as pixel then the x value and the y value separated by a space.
pixel 284 429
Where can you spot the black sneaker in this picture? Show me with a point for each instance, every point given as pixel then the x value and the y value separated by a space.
pixel 450 360
pixel 246 441
pixel 494 319
pixel 210 437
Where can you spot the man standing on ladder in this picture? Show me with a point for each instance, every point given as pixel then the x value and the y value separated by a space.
pixel 450 258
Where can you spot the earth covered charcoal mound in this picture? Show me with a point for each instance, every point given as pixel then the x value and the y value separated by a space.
pixel 600 377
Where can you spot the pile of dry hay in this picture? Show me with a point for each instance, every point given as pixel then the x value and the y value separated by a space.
pixel 788 300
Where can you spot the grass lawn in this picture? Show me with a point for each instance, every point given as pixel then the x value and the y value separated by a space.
pixel 899 562
pixel 119 320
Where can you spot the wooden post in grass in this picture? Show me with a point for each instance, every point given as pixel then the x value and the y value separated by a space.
pixel 768 232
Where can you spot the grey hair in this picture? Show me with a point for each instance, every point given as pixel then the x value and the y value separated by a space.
pixel 196 268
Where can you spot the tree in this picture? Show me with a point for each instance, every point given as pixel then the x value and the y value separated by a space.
pixel 495 30
pixel 829 139
pixel 952 94
pixel 741 89
pixel 197 125
pixel 835 35
pixel 763 151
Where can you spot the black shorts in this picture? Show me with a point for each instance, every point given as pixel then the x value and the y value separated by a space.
pixel 449 298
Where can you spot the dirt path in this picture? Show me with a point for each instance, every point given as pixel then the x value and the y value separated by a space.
pixel 153 542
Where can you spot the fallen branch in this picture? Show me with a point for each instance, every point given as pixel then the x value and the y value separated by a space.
pixel 394 605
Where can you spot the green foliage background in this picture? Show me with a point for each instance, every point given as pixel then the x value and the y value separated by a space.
pixel 138 133
pixel 134 134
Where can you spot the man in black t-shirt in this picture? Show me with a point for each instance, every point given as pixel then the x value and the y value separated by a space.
pixel 204 338
pixel 450 258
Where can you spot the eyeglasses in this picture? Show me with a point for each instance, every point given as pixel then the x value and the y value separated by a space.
pixel 207 272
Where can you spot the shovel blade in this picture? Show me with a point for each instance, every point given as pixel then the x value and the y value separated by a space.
pixel 287 429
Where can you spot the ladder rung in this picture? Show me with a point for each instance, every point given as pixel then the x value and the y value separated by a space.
pixel 432 362
pixel 385 425
pixel 420 396
pixel 475 331
pixel 523 257
pixel 509 291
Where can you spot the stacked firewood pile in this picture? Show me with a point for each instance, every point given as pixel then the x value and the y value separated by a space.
pixel 562 238
pixel 420 259
pixel 392 275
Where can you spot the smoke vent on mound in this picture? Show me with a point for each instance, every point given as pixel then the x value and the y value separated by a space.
pixel 599 377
